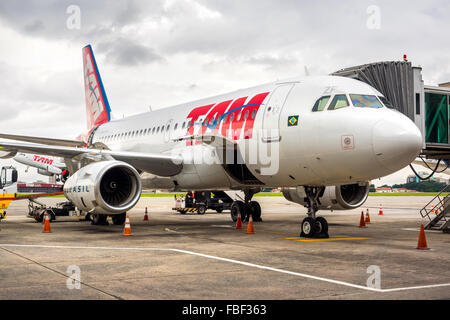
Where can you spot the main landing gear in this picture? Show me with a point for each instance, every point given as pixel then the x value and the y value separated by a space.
pixel 246 207
pixel 312 226
pixel 102 219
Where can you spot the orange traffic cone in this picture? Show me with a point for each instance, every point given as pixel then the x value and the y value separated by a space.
pixel 422 243
pixel 146 214
pixel 362 223
pixel 367 216
pixel 239 220
pixel 381 211
pixel 46 223
pixel 250 229
pixel 127 229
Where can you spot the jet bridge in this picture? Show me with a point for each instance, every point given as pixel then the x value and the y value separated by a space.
pixel 428 106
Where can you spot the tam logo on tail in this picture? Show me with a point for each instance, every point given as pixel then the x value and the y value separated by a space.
pixel 97 106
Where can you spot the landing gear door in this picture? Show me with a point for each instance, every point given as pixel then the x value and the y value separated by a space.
pixel 272 112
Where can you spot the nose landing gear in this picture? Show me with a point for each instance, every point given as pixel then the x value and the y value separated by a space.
pixel 312 226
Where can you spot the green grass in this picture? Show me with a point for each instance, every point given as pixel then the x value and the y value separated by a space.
pixel 405 194
pixel 279 194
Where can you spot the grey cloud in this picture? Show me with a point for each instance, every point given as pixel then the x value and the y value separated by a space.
pixel 35 26
pixel 127 53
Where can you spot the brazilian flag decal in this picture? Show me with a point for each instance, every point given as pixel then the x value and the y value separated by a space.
pixel 292 121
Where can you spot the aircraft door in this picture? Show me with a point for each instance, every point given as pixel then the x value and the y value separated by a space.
pixel 272 112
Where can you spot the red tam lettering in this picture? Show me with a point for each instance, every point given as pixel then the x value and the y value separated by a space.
pixel 194 115
pixel 252 109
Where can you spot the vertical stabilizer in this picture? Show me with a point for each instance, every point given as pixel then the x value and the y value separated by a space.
pixel 97 105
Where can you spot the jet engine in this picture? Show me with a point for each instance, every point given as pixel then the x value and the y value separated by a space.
pixel 105 187
pixel 7 154
pixel 343 197
pixel 50 171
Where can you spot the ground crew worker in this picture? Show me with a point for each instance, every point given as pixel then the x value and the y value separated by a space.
pixel 189 200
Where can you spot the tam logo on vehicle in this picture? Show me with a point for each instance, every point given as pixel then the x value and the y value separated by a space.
pixel 228 118
pixel 42 160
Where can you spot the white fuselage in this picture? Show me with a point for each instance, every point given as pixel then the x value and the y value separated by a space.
pixel 329 147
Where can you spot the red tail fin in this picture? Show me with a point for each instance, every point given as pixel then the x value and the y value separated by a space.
pixel 97 105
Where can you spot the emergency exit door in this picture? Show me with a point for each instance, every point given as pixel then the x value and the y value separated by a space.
pixel 272 112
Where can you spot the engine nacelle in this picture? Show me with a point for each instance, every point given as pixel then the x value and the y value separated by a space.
pixel 7 154
pixel 344 197
pixel 49 172
pixel 105 187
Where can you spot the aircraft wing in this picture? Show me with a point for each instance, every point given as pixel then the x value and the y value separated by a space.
pixel 158 164
pixel 49 141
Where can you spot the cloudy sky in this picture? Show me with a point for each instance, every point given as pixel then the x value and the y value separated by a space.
pixel 162 52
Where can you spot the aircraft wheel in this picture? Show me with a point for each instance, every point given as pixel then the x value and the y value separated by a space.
pixel 237 206
pixel 308 228
pixel 119 219
pixel 321 228
pixel 99 219
pixel 39 218
pixel 256 211
pixel 219 210
pixel 321 225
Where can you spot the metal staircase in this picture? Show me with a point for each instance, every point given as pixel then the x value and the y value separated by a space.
pixel 438 211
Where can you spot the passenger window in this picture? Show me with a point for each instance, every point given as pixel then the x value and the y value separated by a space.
pixel 321 103
pixel 253 113
pixel 339 101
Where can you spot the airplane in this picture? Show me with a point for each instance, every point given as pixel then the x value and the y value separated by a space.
pixel 45 166
pixel 320 138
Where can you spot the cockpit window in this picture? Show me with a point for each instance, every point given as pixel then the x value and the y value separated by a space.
pixel 386 102
pixel 321 103
pixel 339 101
pixel 365 101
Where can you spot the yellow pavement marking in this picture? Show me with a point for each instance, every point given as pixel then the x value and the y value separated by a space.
pixel 300 239
pixel 274 232
pixel 330 239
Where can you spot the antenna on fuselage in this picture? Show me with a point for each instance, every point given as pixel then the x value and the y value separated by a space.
pixel 150 107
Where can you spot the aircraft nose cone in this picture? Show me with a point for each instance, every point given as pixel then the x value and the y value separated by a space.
pixel 396 142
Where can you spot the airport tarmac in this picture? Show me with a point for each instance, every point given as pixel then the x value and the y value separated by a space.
pixel 175 256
